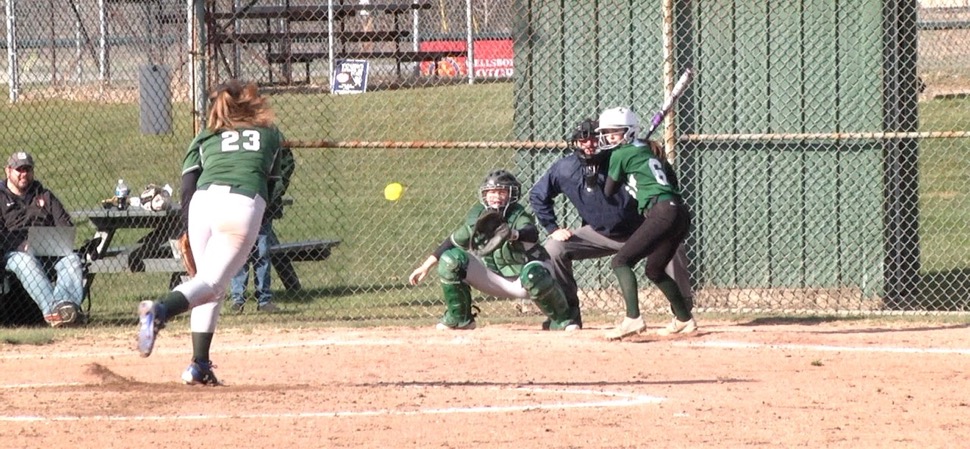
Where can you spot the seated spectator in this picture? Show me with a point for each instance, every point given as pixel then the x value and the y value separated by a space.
pixel 25 202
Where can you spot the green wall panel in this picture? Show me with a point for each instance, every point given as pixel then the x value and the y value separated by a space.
pixel 714 43
pixel 577 58
pixel 715 222
pixel 784 208
pixel 821 201
pixel 580 76
pixel 751 224
pixel 646 68
pixel 819 58
pixel 749 89
pixel 785 44
pixel 859 64
pixel 861 251
pixel 550 59
pixel 524 117
pixel 795 213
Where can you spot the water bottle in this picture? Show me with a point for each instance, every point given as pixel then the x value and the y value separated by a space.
pixel 121 194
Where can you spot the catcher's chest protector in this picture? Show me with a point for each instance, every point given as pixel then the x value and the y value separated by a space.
pixel 509 258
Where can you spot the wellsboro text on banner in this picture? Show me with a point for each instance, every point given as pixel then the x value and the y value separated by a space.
pixel 493 59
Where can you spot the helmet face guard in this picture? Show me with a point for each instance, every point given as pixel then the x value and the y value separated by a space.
pixel 500 180
pixel 617 120
pixel 585 135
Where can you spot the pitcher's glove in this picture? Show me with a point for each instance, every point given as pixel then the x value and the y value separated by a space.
pixel 489 233
pixel 185 250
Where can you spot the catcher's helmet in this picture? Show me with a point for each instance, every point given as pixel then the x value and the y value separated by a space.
pixel 585 130
pixel 500 179
pixel 617 118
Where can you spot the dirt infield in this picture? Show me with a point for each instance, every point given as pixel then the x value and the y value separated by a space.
pixel 834 384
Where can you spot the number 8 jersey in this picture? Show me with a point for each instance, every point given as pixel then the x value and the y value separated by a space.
pixel 239 158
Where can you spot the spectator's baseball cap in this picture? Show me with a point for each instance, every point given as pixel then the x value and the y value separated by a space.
pixel 20 159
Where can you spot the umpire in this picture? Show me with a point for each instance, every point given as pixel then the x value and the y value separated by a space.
pixel 607 222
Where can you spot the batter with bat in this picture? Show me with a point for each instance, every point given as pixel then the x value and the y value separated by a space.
pixel 225 186
pixel 496 251
pixel 607 222
pixel 638 166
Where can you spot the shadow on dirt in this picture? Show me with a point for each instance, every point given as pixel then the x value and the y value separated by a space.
pixel 812 321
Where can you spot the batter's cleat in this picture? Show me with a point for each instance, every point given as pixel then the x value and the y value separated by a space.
pixel 65 314
pixel 679 327
pixel 467 327
pixel 200 373
pixel 629 326
pixel 574 326
pixel 150 321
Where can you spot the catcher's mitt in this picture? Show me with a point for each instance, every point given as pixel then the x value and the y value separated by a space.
pixel 489 233
pixel 185 251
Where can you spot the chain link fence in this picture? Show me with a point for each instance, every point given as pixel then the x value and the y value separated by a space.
pixel 822 148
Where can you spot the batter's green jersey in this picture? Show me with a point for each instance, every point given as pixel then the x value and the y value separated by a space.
pixel 643 174
pixel 240 158
pixel 509 258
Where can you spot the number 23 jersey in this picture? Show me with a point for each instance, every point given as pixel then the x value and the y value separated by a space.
pixel 241 158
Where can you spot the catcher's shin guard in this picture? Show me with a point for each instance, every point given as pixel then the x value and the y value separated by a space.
pixel 458 299
pixel 453 266
pixel 458 296
pixel 547 294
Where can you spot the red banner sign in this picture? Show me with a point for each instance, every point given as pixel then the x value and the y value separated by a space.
pixel 493 59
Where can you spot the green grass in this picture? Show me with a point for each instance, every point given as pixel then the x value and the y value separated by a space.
pixel 31 337
pixel 944 188
pixel 83 148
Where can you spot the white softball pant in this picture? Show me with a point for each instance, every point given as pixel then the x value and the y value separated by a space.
pixel 494 284
pixel 222 229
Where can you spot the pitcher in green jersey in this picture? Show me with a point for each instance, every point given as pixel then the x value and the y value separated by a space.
pixel 225 185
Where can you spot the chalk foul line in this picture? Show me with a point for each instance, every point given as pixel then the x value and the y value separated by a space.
pixel 610 399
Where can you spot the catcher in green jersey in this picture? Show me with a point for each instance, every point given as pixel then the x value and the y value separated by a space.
pixel 496 251
pixel 226 177
pixel 639 167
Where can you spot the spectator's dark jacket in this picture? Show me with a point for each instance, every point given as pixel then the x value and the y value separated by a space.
pixel 38 207
pixel 277 187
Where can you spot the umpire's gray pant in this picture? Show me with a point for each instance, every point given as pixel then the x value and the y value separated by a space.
pixel 586 243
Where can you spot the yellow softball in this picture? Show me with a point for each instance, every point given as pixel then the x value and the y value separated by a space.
pixel 393 191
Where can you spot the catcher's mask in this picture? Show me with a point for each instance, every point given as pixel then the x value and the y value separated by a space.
pixel 584 140
pixel 499 180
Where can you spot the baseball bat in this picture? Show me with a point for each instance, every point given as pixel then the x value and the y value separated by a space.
pixel 677 91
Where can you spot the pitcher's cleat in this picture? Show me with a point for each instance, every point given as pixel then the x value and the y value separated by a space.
pixel 150 322
pixel 679 327
pixel 200 373
pixel 629 326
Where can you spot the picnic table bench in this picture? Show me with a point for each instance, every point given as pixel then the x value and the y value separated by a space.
pixel 155 252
